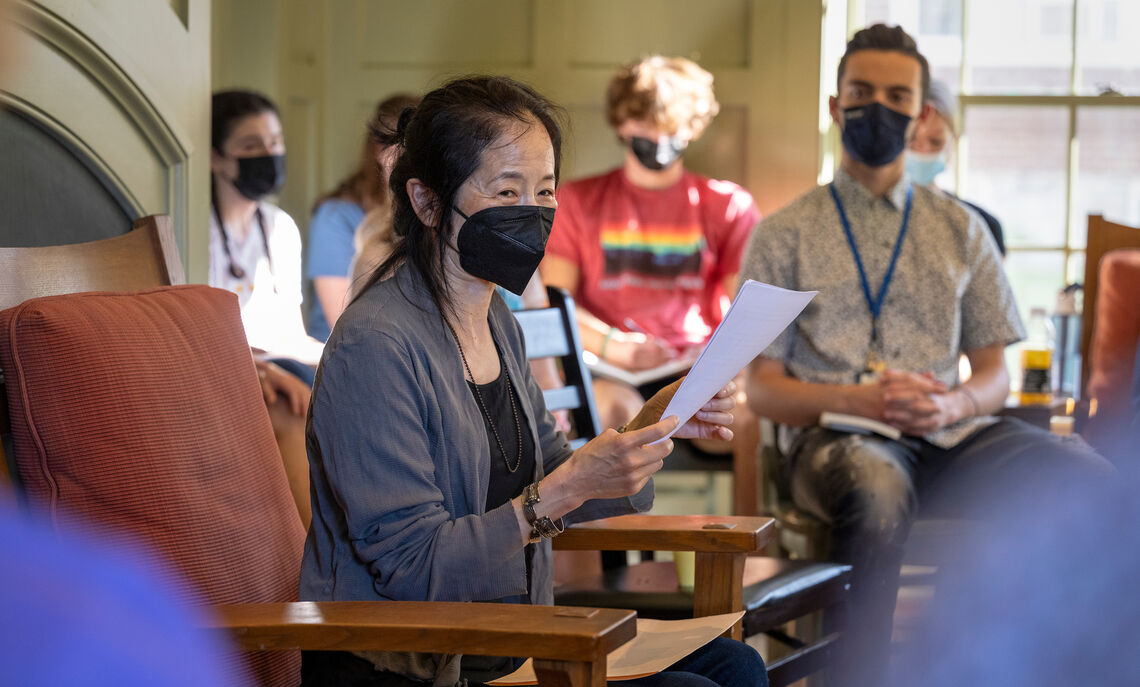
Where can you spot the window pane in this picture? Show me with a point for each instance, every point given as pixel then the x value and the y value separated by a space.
pixel 1108 176
pixel 1019 46
pixel 1036 277
pixel 1107 56
pixel 936 26
pixel 1015 168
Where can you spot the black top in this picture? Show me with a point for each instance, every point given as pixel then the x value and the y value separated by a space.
pixel 502 486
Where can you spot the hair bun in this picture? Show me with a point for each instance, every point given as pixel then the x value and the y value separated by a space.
pixel 402 125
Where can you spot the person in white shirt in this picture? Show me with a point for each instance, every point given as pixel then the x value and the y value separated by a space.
pixel 255 251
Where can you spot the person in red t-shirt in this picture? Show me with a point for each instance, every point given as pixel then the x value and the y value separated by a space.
pixel 650 251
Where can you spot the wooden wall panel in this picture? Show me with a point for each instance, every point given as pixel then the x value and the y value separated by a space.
pixel 345 55
pixel 607 33
pixel 127 83
pixel 440 33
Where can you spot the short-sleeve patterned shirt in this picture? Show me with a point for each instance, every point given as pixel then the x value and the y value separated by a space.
pixel 948 295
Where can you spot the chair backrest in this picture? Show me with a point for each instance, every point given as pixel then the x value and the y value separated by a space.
pixel 1103 236
pixel 553 332
pixel 143 258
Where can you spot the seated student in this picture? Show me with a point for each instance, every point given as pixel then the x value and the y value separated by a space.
pixel 437 472
pixel 650 251
pixel 255 251
pixel 338 215
pixel 908 280
pixel 930 149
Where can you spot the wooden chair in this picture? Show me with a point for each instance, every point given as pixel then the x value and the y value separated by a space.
pixel 569 645
pixel 773 592
pixel 1103 236
pixel 1110 326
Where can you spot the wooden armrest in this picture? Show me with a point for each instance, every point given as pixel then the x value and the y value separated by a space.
pixel 569 645
pixel 722 544
pixel 701 533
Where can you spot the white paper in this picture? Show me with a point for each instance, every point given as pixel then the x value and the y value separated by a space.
pixel 757 316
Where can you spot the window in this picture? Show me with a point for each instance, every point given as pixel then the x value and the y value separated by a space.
pixel 1050 110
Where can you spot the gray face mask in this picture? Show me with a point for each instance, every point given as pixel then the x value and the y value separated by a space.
pixel 659 154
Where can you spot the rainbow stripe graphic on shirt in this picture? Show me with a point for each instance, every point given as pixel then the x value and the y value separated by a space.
pixel 657 250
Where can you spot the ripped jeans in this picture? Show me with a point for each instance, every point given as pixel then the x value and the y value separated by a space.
pixel 869 490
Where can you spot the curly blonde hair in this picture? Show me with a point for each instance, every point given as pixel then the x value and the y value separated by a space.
pixel 672 92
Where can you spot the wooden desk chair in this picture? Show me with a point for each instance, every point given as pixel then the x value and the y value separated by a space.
pixel 772 592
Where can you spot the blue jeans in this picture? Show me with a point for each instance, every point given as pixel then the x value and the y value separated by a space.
pixel 869 490
pixel 723 662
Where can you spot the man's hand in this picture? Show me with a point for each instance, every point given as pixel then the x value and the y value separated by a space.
pixel 917 404
pixel 634 351
pixel 274 381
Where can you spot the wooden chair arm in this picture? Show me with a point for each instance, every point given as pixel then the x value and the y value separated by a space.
pixel 701 533
pixel 569 645
pixel 721 543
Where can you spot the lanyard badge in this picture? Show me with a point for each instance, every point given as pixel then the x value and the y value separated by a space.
pixel 874 365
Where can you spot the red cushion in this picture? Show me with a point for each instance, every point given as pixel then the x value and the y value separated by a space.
pixel 1116 329
pixel 142 412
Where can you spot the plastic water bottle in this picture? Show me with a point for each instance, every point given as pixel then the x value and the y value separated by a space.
pixel 1037 359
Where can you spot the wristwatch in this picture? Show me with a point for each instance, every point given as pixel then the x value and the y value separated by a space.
pixel 540 527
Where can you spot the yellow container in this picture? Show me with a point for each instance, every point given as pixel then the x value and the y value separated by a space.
pixel 1036 388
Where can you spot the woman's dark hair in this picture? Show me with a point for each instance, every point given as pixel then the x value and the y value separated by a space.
pixel 227 107
pixel 365 186
pixel 889 39
pixel 441 144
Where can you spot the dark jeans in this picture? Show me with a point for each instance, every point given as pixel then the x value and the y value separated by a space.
pixel 722 662
pixel 869 489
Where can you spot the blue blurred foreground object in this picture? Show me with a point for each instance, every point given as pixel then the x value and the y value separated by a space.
pixel 1046 598
pixel 72 613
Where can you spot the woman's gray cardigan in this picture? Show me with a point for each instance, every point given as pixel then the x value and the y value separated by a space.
pixel 399 460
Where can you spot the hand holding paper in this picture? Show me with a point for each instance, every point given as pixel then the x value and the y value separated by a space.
pixel 757 316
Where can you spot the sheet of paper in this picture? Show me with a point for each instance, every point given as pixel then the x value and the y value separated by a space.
pixel 757 316
pixel 658 645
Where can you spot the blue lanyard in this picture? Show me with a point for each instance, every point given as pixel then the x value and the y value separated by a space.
pixel 875 305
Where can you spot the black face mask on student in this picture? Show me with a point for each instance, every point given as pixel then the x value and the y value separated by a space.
pixel 659 154
pixel 874 134
pixel 259 177
pixel 504 243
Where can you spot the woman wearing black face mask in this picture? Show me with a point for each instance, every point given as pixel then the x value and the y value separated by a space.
pixel 437 472
pixel 255 251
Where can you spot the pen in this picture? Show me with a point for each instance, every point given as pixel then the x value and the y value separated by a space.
pixel 632 326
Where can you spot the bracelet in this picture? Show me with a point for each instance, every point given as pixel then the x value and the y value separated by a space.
pixel 606 342
pixel 973 400
pixel 540 527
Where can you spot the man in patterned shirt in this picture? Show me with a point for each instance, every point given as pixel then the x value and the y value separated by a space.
pixel 908 280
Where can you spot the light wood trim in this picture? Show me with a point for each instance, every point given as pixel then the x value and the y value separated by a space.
pixel 668 533
pixel 544 632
